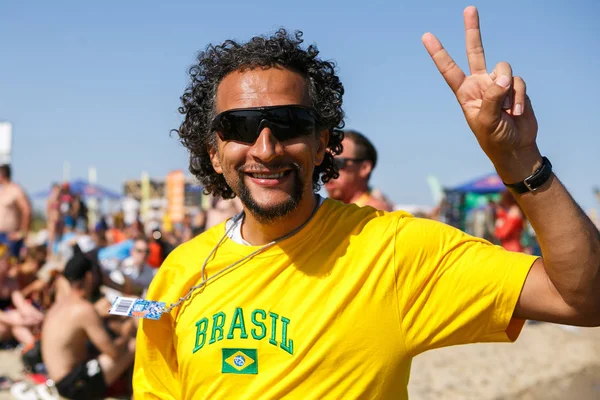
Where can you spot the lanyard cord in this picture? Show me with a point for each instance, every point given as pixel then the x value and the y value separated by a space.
pixel 237 219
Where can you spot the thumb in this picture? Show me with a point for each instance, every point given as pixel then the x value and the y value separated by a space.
pixel 493 98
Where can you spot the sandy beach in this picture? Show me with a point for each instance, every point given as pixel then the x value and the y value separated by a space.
pixel 547 362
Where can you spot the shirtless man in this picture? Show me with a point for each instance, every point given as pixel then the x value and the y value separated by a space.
pixel 53 213
pixel 15 212
pixel 355 164
pixel 70 325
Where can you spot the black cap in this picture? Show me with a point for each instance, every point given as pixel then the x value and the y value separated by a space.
pixel 77 266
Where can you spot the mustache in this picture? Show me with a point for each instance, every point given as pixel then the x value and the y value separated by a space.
pixel 245 168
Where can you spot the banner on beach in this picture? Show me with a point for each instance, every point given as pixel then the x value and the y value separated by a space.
pixel 5 142
pixel 176 196
pixel 145 196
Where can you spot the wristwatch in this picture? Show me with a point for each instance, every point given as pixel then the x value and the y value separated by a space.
pixel 535 180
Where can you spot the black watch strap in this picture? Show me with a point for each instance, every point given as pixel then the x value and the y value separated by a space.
pixel 535 180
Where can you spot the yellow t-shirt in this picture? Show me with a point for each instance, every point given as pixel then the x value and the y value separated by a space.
pixel 336 311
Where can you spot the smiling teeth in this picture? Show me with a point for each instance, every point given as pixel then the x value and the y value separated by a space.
pixel 268 176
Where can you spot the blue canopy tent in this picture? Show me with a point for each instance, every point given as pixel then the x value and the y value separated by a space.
pixel 472 195
pixel 85 189
pixel 487 184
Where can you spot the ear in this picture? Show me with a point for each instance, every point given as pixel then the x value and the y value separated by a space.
pixel 88 278
pixel 365 169
pixel 323 140
pixel 213 152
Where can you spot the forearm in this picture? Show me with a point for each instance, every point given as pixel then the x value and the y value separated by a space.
pixel 33 287
pixel 25 221
pixel 569 240
pixel 131 287
pixel 121 344
pixel 18 300
pixel 24 307
pixel 108 282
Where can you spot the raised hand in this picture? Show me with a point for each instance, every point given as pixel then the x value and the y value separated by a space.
pixel 495 104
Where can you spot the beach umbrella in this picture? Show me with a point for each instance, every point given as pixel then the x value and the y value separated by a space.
pixel 84 189
pixel 486 184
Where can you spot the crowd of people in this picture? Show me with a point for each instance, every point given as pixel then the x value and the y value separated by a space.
pixel 302 296
pixel 57 285
pixel 55 293
pixel 351 293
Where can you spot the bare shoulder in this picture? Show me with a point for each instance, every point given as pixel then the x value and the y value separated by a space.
pixel 378 204
pixel 15 188
pixel 11 190
pixel 83 310
pixel 17 191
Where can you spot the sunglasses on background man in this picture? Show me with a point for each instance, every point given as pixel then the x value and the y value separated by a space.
pixel 343 162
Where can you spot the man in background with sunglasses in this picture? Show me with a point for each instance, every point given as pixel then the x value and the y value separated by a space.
pixel 300 297
pixel 355 165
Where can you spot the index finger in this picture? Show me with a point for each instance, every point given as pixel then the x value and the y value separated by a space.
pixel 451 72
pixel 475 53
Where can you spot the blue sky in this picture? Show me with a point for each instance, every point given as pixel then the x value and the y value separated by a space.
pixel 99 83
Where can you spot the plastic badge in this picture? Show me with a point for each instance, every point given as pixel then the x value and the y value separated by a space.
pixel 134 307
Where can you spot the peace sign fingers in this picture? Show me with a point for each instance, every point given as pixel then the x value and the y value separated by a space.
pixel 495 105
pixel 475 53
pixel 451 72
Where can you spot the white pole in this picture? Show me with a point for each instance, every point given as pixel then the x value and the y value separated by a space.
pixel 92 175
pixel 92 201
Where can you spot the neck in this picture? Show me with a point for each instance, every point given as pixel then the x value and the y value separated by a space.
pixel 362 190
pixel 78 293
pixel 259 233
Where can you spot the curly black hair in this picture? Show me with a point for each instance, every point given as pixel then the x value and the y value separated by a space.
pixel 279 50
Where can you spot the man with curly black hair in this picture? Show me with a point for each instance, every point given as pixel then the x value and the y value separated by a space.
pixel 322 91
pixel 300 297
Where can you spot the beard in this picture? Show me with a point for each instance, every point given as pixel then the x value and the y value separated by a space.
pixel 270 214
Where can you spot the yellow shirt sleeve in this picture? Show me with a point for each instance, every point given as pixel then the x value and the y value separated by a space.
pixel 156 372
pixel 454 288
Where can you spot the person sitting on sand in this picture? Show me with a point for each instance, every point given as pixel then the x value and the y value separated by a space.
pixel 25 273
pixel 70 325
pixel 18 319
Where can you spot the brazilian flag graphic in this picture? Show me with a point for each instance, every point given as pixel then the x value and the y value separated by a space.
pixel 240 361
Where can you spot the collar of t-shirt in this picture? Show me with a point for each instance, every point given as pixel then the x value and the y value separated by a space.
pixel 234 232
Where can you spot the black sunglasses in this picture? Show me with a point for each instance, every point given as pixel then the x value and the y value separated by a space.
pixel 245 124
pixel 342 162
